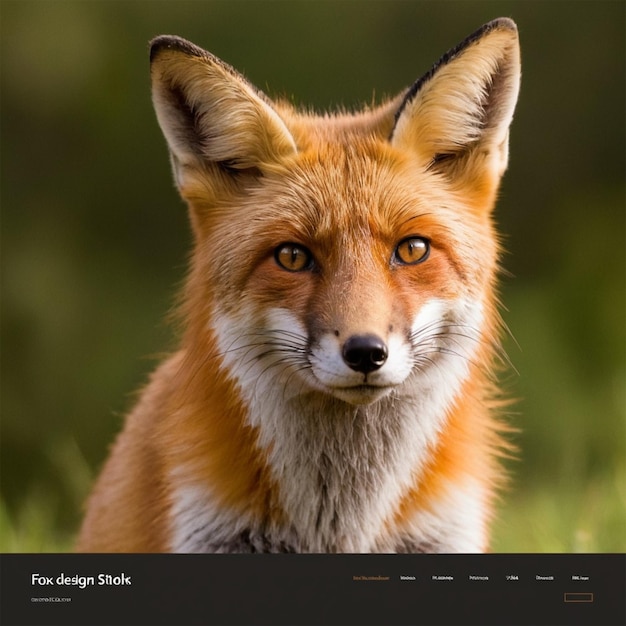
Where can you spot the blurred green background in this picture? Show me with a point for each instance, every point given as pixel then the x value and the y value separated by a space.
pixel 94 237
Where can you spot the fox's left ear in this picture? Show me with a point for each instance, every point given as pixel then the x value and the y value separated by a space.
pixel 456 117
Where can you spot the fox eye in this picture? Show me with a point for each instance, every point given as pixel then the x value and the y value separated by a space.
pixel 293 257
pixel 412 250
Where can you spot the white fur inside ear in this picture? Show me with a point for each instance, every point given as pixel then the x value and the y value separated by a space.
pixel 468 99
pixel 210 114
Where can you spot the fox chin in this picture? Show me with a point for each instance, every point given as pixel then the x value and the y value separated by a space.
pixel 334 387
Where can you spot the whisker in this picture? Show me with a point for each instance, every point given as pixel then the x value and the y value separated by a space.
pixel 446 338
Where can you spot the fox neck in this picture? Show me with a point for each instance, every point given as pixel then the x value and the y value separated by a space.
pixel 341 470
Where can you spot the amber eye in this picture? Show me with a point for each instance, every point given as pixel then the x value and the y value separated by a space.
pixel 412 250
pixel 293 257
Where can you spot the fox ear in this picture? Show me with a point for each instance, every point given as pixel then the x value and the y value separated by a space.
pixel 457 116
pixel 210 115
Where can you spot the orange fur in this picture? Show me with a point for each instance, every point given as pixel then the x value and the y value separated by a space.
pixel 345 403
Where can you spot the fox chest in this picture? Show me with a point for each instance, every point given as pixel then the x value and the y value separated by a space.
pixel 200 527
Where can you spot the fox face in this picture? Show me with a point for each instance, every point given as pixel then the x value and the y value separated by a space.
pixel 333 391
pixel 359 287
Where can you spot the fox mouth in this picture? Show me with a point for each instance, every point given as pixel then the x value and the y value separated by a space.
pixel 361 394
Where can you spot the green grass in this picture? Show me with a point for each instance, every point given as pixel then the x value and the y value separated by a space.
pixel 47 514
pixel 578 518
pixel 34 527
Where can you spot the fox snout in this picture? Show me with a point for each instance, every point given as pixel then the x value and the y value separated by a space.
pixel 358 368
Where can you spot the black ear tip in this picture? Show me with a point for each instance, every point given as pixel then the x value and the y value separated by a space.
pixel 501 23
pixel 172 42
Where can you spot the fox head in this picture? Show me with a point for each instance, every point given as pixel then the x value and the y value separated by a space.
pixel 351 256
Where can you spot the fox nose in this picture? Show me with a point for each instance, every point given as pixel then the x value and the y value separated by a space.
pixel 364 353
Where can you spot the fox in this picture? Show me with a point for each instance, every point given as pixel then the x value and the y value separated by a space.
pixel 335 385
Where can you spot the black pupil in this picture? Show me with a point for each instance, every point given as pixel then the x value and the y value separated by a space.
pixel 292 257
pixel 412 250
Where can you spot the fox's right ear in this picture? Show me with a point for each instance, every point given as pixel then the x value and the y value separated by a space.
pixel 210 115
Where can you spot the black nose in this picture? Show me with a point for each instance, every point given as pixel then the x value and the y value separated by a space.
pixel 364 353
